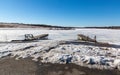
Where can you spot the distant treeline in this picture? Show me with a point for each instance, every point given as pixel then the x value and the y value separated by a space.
pixel 52 27
pixel 22 25
pixel 109 27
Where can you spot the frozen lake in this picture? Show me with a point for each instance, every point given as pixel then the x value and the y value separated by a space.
pixel 54 52
pixel 104 35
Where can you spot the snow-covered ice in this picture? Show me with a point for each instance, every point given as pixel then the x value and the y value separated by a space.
pixel 104 35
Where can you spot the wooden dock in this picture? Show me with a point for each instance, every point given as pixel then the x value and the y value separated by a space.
pixel 30 37
pixel 42 36
pixel 86 38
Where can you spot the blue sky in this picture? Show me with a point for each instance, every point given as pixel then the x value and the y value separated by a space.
pixel 62 12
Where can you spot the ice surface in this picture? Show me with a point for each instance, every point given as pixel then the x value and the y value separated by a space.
pixel 104 35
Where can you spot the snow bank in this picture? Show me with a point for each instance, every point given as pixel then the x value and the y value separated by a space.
pixel 51 51
pixel 23 50
pixel 89 56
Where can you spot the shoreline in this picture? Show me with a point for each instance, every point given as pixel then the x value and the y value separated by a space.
pixel 61 52
pixel 10 66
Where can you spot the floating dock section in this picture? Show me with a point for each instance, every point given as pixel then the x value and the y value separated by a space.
pixel 30 37
pixel 86 38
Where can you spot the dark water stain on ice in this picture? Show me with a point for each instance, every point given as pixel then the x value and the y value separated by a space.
pixel 75 42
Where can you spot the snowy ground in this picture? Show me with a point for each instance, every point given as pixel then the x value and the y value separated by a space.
pixel 52 51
